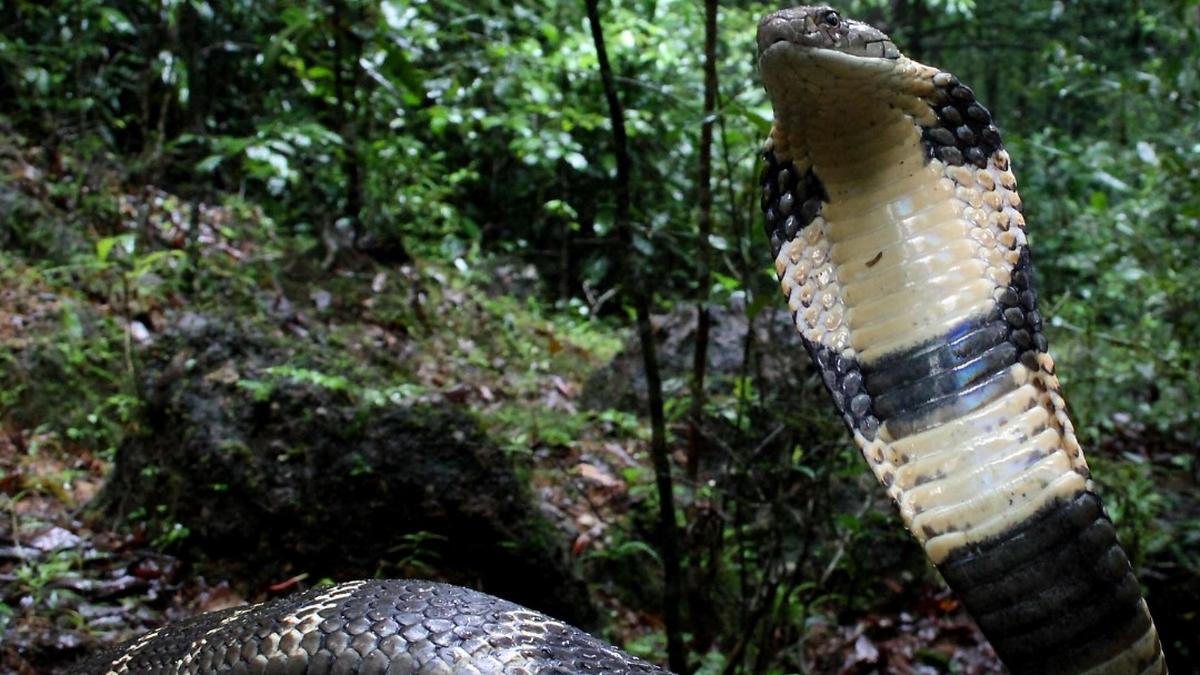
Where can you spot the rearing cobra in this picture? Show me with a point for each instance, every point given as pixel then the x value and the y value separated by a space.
pixel 897 234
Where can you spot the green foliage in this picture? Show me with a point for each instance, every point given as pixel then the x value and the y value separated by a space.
pixel 83 361
pixel 34 577
pixel 1117 266
pixel 417 553
pixel 1154 523
pixel 359 119
pixel 170 535
pixel 322 380
pixel 87 356
pixel 620 550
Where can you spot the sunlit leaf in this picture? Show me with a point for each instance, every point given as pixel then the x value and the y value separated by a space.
pixel 1147 153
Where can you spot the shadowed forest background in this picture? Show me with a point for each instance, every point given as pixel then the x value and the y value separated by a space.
pixel 296 291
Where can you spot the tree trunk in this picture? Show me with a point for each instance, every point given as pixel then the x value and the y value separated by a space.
pixel 677 657
pixel 703 276
pixel 700 581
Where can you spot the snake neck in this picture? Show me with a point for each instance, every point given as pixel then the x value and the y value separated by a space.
pixel 900 245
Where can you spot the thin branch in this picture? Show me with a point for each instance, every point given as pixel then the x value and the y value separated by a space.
pixel 705 199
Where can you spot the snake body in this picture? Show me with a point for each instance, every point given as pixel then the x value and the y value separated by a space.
pixel 899 241
pixel 378 627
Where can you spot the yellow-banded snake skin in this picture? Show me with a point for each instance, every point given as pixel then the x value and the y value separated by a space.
pixel 898 238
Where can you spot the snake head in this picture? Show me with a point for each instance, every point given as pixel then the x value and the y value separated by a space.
pixel 823 28
pixel 815 62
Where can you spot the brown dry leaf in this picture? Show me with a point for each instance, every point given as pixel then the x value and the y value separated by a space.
pixel 619 452
pixel 563 387
pixel 598 475
pixel 219 597
pixel 581 544
pixel 459 393
pixel 865 651
pixel 226 374
pixel 54 539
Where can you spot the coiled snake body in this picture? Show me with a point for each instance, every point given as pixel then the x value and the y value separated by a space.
pixel 898 237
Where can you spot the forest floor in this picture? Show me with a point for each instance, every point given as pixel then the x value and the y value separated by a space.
pixel 70 588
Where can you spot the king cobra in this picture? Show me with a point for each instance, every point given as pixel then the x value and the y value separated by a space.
pixel 898 236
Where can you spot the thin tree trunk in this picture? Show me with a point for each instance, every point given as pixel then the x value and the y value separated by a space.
pixel 699 583
pixel 676 656
pixel 700 354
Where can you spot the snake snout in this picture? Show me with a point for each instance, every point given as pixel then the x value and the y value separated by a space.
pixel 775 28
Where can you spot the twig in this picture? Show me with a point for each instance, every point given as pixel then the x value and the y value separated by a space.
pixel 844 541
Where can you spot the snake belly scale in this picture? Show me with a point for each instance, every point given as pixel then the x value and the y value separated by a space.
pixel 899 241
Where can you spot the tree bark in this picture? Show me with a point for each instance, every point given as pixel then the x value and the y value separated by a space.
pixel 676 656
pixel 699 581
pixel 703 275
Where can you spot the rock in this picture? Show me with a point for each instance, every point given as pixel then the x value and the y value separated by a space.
pixel 777 359
pixel 273 477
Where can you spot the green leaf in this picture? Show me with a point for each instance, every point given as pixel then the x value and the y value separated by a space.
pixel 718 242
pixel 112 19
pixel 410 80
pixel 1108 180
pixel 558 207
pixel 576 160
pixel 319 73
pixel 105 246
pixel 209 164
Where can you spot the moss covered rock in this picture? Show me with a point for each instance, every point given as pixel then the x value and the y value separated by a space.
pixel 274 467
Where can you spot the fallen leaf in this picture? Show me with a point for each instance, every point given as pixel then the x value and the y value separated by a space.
pixel 321 298
pixel 865 651
pixel 226 374
pixel 597 475
pixel 54 539
pixel 219 597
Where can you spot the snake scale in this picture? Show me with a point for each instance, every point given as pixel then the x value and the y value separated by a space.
pixel 899 240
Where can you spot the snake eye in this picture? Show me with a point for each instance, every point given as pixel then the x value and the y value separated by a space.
pixel 831 19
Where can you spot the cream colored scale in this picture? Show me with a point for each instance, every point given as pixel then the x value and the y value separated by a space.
pixel 904 251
